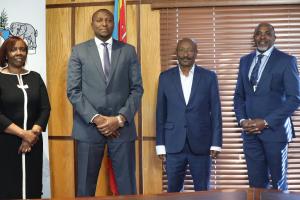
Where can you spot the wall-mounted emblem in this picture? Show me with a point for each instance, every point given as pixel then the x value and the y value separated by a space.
pixel 24 30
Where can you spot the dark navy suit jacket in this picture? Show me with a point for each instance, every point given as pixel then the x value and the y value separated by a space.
pixel 275 99
pixel 199 121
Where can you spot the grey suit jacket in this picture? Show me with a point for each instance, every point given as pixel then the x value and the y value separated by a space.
pixel 90 95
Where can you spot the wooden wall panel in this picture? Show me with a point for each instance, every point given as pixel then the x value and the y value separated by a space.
pixel 131 23
pixel 150 51
pixel 49 2
pixel 58 50
pixel 96 1
pixel 152 169
pixel 62 168
pixel 150 54
pixel 137 170
pixel 58 40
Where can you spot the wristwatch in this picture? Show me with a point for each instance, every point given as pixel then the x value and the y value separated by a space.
pixel 120 120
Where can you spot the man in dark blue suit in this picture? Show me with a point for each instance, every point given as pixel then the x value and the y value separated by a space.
pixel 188 119
pixel 266 95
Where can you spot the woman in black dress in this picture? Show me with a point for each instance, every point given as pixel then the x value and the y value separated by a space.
pixel 24 113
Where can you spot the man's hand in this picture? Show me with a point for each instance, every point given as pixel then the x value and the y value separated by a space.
pixel 109 127
pixel 98 120
pixel 254 126
pixel 247 125
pixel 25 147
pixel 214 154
pixel 113 134
pixel 259 124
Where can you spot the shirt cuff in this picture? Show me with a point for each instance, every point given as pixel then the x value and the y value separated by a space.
pixel 240 122
pixel 215 148
pixel 125 120
pixel 160 149
pixel 94 118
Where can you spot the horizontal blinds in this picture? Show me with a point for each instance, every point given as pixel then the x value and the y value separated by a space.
pixel 223 35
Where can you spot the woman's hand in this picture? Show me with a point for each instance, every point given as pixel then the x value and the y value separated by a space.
pixel 37 129
pixel 30 137
pixel 25 147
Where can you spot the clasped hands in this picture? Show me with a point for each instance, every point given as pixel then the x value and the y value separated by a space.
pixel 107 125
pixel 253 126
pixel 29 138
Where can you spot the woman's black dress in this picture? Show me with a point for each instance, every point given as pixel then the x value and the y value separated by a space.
pixel 23 101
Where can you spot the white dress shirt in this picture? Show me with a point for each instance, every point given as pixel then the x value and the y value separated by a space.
pixel 186 84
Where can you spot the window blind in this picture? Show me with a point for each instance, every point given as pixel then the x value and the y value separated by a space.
pixel 223 35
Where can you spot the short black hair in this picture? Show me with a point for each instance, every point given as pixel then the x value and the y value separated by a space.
pixel 189 40
pixel 104 11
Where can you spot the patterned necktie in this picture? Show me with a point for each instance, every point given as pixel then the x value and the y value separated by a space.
pixel 254 73
pixel 106 61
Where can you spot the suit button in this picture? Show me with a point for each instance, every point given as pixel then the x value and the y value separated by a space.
pixel 185 126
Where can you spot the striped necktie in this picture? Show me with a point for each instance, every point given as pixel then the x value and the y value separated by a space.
pixel 254 73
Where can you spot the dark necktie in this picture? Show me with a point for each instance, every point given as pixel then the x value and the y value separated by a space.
pixel 254 73
pixel 106 61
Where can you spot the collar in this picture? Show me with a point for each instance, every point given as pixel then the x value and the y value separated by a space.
pixel 190 72
pixel 266 53
pixel 3 72
pixel 99 42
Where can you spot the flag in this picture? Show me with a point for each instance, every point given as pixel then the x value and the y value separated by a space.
pixel 119 33
pixel 120 21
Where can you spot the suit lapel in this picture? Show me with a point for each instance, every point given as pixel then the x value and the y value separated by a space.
pixel 94 53
pixel 247 69
pixel 195 84
pixel 264 76
pixel 177 83
pixel 115 54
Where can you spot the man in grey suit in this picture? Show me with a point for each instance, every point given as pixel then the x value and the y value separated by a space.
pixel 105 88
